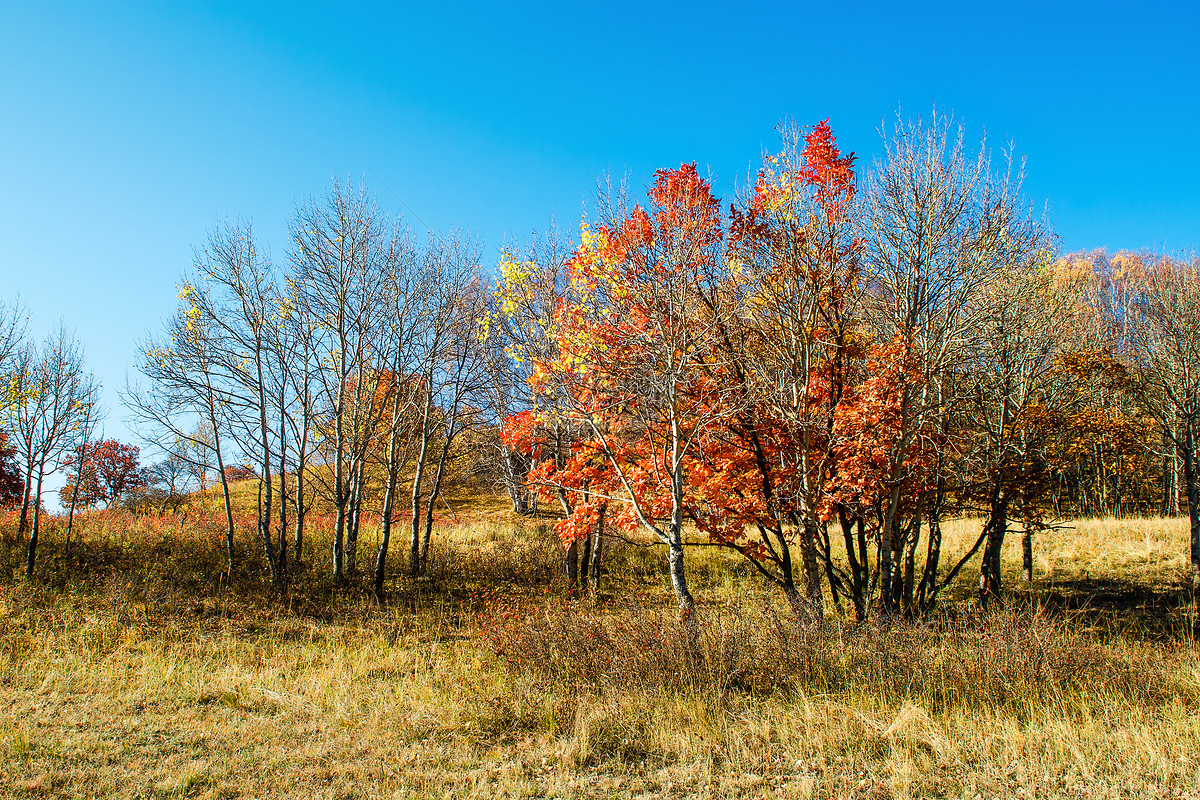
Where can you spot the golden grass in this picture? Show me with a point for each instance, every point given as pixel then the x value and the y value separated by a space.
pixel 136 672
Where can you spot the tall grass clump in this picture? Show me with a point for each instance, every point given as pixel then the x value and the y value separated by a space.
pixel 1005 659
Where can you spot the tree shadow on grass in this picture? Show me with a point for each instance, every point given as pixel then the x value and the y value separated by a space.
pixel 1162 612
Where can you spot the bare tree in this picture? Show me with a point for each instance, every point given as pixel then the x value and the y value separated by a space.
pixel 938 223
pixel 450 361
pixel 91 415
pixel 186 407
pixel 339 266
pixel 12 335
pixel 1152 305
pixel 54 399
pixel 407 290
pixel 235 301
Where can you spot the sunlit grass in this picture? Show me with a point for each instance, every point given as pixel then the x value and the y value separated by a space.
pixel 136 667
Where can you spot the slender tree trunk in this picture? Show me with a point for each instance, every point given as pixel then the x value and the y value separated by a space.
pixel 1027 555
pixel 385 522
pixel 989 576
pixel 512 483
pixel 910 562
pixel 339 481
pixel 597 549
pixel 585 564
pixel 414 564
pixel 886 568
pixel 71 518
pixel 300 509
pixel 31 554
pixel 933 555
pixel 856 559
pixel 230 555
pixel 683 596
pixel 23 524
pixel 1173 494
pixel 75 490
pixel 265 517
pixel 282 557
pixel 571 567
pixel 339 544
pixel 389 500
pixel 812 572
pixel 687 604
pixel 435 494
pixel 1193 497
pixel 356 504
pixel 385 537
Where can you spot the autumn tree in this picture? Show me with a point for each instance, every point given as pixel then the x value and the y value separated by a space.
pixel 10 474
pixel 1152 305
pixel 102 472
pixel 51 392
pixel 235 298
pixel 339 263
pixel 12 337
pixel 634 342
pixel 937 223
pixel 517 334
pixel 451 367
pixel 185 405
pixel 793 349
pixel 408 284
pixel 1014 376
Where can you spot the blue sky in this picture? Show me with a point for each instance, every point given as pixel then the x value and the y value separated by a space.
pixel 128 130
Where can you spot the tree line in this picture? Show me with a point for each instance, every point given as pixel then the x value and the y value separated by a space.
pixel 814 376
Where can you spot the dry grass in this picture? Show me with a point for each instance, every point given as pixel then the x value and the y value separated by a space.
pixel 134 670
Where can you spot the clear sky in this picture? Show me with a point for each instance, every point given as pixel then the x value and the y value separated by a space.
pixel 128 130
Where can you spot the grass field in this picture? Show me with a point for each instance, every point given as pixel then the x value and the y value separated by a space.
pixel 136 668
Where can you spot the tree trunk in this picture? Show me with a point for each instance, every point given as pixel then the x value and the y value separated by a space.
pixel 385 538
pixel 71 518
pixel 1027 556
pixel 281 557
pixel 434 494
pixel 75 494
pixel 355 521
pixel 812 573
pixel 683 596
pixel 585 564
pixel 212 420
pixel 597 552
pixel 1193 496
pixel 23 524
pixel 414 556
pixel 299 546
pixel 933 555
pixel 907 602
pixel 571 567
pixel 339 544
pixel 31 554
pixel 886 533
pixel 989 574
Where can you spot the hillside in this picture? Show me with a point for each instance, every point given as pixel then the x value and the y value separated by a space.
pixel 136 668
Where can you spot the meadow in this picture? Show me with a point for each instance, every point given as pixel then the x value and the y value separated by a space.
pixel 133 665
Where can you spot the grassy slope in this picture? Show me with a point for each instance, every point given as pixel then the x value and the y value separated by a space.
pixel 136 669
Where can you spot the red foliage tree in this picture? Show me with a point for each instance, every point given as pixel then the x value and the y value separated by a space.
pixel 239 472
pixel 108 469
